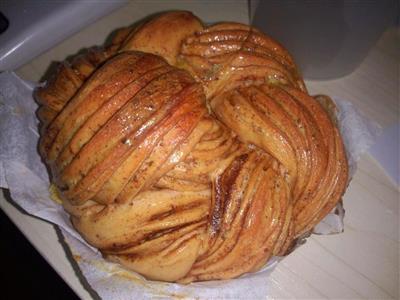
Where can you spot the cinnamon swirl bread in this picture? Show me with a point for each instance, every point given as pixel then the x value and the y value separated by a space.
pixel 190 153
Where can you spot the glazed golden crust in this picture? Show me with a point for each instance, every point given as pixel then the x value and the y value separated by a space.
pixel 251 208
pixel 230 54
pixel 197 164
pixel 293 127
pixel 66 80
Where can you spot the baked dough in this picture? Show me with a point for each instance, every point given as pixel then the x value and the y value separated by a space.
pixel 190 153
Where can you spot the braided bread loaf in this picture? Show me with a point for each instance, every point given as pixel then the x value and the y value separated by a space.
pixel 190 153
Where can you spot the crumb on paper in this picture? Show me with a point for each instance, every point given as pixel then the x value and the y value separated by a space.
pixel 128 275
pixel 55 194
pixel 77 257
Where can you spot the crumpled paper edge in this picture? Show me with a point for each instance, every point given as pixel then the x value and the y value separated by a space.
pixel 109 279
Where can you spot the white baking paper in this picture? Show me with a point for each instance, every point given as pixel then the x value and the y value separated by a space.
pixel 24 174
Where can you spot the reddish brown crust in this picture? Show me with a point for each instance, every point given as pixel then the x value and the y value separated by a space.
pixel 163 35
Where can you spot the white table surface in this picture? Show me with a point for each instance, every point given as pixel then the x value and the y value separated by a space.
pixel 362 262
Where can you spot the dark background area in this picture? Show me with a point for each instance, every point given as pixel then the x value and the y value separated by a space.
pixel 24 273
